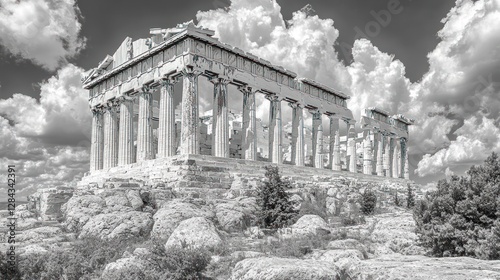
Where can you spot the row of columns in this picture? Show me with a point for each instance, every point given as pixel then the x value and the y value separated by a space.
pixel 113 142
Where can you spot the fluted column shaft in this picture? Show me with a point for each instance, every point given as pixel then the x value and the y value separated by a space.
pixel 97 144
pixel 110 158
pixel 334 123
pixel 367 155
pixel 406 166
pixel 351 146
pixel 166 122
pixel 220 121
pixel 145 126
pixel 317 139
pixel 297 134
pixel 387 156
pixel 249 127
pixel 395 159
pixel 189 142
pixel 126 133
pixel 275 130
pixel 335 133
pixel 380 157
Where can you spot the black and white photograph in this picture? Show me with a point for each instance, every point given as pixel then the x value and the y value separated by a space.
pixel 250 140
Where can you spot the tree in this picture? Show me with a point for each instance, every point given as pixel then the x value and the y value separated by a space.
pixel 410 197
pixel 276 208
pixel 462 217
pixel 368 202
pixel 397 201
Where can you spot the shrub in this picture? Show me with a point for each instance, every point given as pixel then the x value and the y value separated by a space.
pixel 276 208
pixel 368 202
pixel 176 263
pixel 314 204
pixel 397 201
pixel 410 197
pixel 461 218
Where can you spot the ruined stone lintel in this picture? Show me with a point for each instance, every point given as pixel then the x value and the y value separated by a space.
pixel 275 129
pixel 249 123
pixel 189 142
pixel 297 144
pixel 166 124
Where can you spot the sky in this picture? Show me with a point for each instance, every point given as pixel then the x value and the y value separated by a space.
pixel 434 61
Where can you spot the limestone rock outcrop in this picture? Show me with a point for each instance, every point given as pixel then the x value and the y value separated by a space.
pixel 118 225
pixel 196 232
pixel 237 214
pixel 167 218
pixel 80 209
pixel 305 226
pixel 283 269
pixel 47 202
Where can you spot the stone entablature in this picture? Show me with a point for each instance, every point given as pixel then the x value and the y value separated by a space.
pixel 183 54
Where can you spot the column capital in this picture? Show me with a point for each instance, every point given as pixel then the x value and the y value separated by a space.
pixel 333 116
pixel 219 80
pixel 166 81
pixel 247 89
pixel 295 105
pixel 97 110
pixel 273 97
pixel 190 71
pixel 146 88
pixel 316 113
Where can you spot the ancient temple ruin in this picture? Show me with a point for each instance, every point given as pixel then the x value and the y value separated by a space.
pixel 133 132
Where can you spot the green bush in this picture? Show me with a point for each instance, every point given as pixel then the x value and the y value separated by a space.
pixel 461 218
pixel 397 200
pixel 368 202
pixel 276 210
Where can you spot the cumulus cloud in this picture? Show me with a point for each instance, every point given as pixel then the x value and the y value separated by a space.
pixel 47 32
pixel 47 140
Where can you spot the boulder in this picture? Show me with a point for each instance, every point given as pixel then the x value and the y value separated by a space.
pixel 197 232
pixel 134 197
pixel 305 226
pixel 79 209
pixel 236 215
pixel 123 225
pixel 172 214
pixel 283 269
pixel 116 200
pixel 333 256
pixel 47 202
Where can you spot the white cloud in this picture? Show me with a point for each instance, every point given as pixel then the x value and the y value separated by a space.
pixel 48 141
pixel 47 32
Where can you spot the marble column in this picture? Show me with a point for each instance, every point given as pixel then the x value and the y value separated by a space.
pixel 387 156
pixel 351 146
pixel 97 144
pixel 317 139
pixel 145 126
pixel 334 123
pixel 110 158
pixel 220 121
pixel 126 133
pixel 275 130
pixel 380 151
pixel 249 125
pixel 367 155
pixel 166 123
pixel 395 159
pixel 297 134
pixel 406 166
pixel 189 142
pixel 336 165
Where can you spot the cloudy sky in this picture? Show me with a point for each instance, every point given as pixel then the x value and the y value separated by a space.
pixel 435 61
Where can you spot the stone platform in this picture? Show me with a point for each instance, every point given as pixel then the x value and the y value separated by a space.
pixel 216 176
